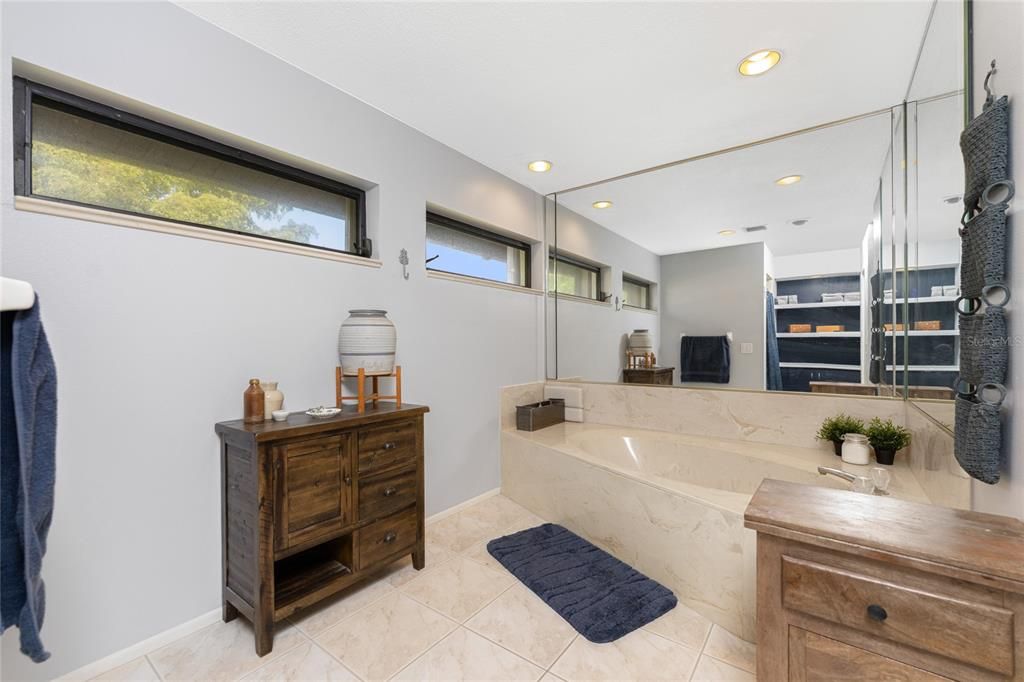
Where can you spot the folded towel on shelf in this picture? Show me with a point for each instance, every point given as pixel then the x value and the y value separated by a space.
pixel 704 359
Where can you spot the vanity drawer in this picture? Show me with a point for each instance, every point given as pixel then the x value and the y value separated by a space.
pixel 386 494
pixel 387 537
pixel 387 447
pixel 971 632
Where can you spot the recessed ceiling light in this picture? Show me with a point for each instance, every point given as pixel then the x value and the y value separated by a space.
pixel 540 166
pixel 602 204
pixel 800 222
pixel 759 62
pixel 727 233
pixel 789 180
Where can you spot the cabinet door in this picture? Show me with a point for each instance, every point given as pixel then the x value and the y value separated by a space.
pixel 314 489
pixel 814 658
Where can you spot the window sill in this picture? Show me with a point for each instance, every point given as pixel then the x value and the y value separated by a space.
pixel 98 215
pixel 465 279
pixel 580 299
pixel 637 309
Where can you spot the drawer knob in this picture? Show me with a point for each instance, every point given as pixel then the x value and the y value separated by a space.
pixel 388 492
pixel 391 537
pixel 348 480
pixel 390 446
pixel 877 613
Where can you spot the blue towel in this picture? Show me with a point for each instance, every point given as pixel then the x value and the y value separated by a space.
pixel 704 358
pixel 28 430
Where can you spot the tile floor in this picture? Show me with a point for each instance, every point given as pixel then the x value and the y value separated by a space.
pixel 464 617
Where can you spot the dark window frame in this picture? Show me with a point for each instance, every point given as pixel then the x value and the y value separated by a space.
pixel 26 91
pixel 640 283
pixel 482 233
pixel 599 295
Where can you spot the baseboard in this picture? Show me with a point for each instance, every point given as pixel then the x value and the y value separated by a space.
pixel 463 505
pixel 119 658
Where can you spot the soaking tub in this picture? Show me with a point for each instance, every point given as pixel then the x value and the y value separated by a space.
pixel 669 504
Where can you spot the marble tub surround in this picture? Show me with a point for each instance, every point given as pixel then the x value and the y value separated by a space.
pixel 396 630
pixel 670 505
pixel 931 457
pixel 699 551
pixel 518 394
pixel 777 418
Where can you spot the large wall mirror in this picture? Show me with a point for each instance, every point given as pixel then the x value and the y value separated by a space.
pixel 826 259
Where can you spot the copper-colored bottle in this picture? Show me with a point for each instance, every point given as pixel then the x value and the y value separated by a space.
pixel 252 401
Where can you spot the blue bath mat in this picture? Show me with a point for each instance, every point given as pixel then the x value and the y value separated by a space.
pixel 596 593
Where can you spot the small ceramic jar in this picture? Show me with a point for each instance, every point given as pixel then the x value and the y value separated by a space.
pixel 856 449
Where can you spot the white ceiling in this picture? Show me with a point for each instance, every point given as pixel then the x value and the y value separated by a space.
pixel 598 88
pixel 684 207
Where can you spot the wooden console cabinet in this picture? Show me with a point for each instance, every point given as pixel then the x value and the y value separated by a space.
pixel 659 376
pixel 862 587
pixel 311 506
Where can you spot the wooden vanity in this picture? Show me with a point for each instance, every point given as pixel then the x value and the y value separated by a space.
pixel 862 587
pixel 312 506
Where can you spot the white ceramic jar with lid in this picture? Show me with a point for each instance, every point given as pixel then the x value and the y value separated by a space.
pixel 856 449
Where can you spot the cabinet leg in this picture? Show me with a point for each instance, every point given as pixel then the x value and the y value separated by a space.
pixel 230 612
pixel 419 558
pixel 264 637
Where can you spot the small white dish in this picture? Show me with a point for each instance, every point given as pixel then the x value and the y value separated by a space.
pixel 280 415
pixel 323 412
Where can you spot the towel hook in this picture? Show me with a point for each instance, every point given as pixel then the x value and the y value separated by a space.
pixel 403 258
pixel 989 97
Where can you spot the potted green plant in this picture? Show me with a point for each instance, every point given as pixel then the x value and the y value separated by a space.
pixel 887 438
pixel 834 428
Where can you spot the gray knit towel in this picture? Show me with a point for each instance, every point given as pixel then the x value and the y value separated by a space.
pixel 983 251
pixel 984 144
pixel 984 347
pixel 978 438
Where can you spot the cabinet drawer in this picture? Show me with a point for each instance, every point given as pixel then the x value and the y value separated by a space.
pixel 387 493
pixel 314 496
pixel 974 633
pixel 388 537
pixel 387 447
pixel 814 658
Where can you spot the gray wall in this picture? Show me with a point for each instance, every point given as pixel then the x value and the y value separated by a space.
pixel 707 293
pixel 155 335
pixel 999 35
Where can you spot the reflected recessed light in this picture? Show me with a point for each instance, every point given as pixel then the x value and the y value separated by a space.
pixel 800 222
pixel 727 233
pixel 954 199
pixel 759 62
pixel 540 166
pixel 789 180
pixel 602 204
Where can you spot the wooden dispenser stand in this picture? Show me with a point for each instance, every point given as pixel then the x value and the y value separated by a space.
pixel 361 396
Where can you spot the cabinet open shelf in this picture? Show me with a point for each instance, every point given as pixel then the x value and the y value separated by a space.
pixel 818 335
pixel 818 365
pixel 836 304
pixel 311 571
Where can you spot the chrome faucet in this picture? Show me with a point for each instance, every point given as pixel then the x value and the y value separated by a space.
pixel 846 476
pixel 877 484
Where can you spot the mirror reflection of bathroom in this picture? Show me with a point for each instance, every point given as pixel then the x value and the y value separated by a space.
pixel 815 261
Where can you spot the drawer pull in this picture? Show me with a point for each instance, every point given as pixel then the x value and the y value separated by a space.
pixel 877 613
pixel 391 537
pixel 390 445
pixel 388 492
